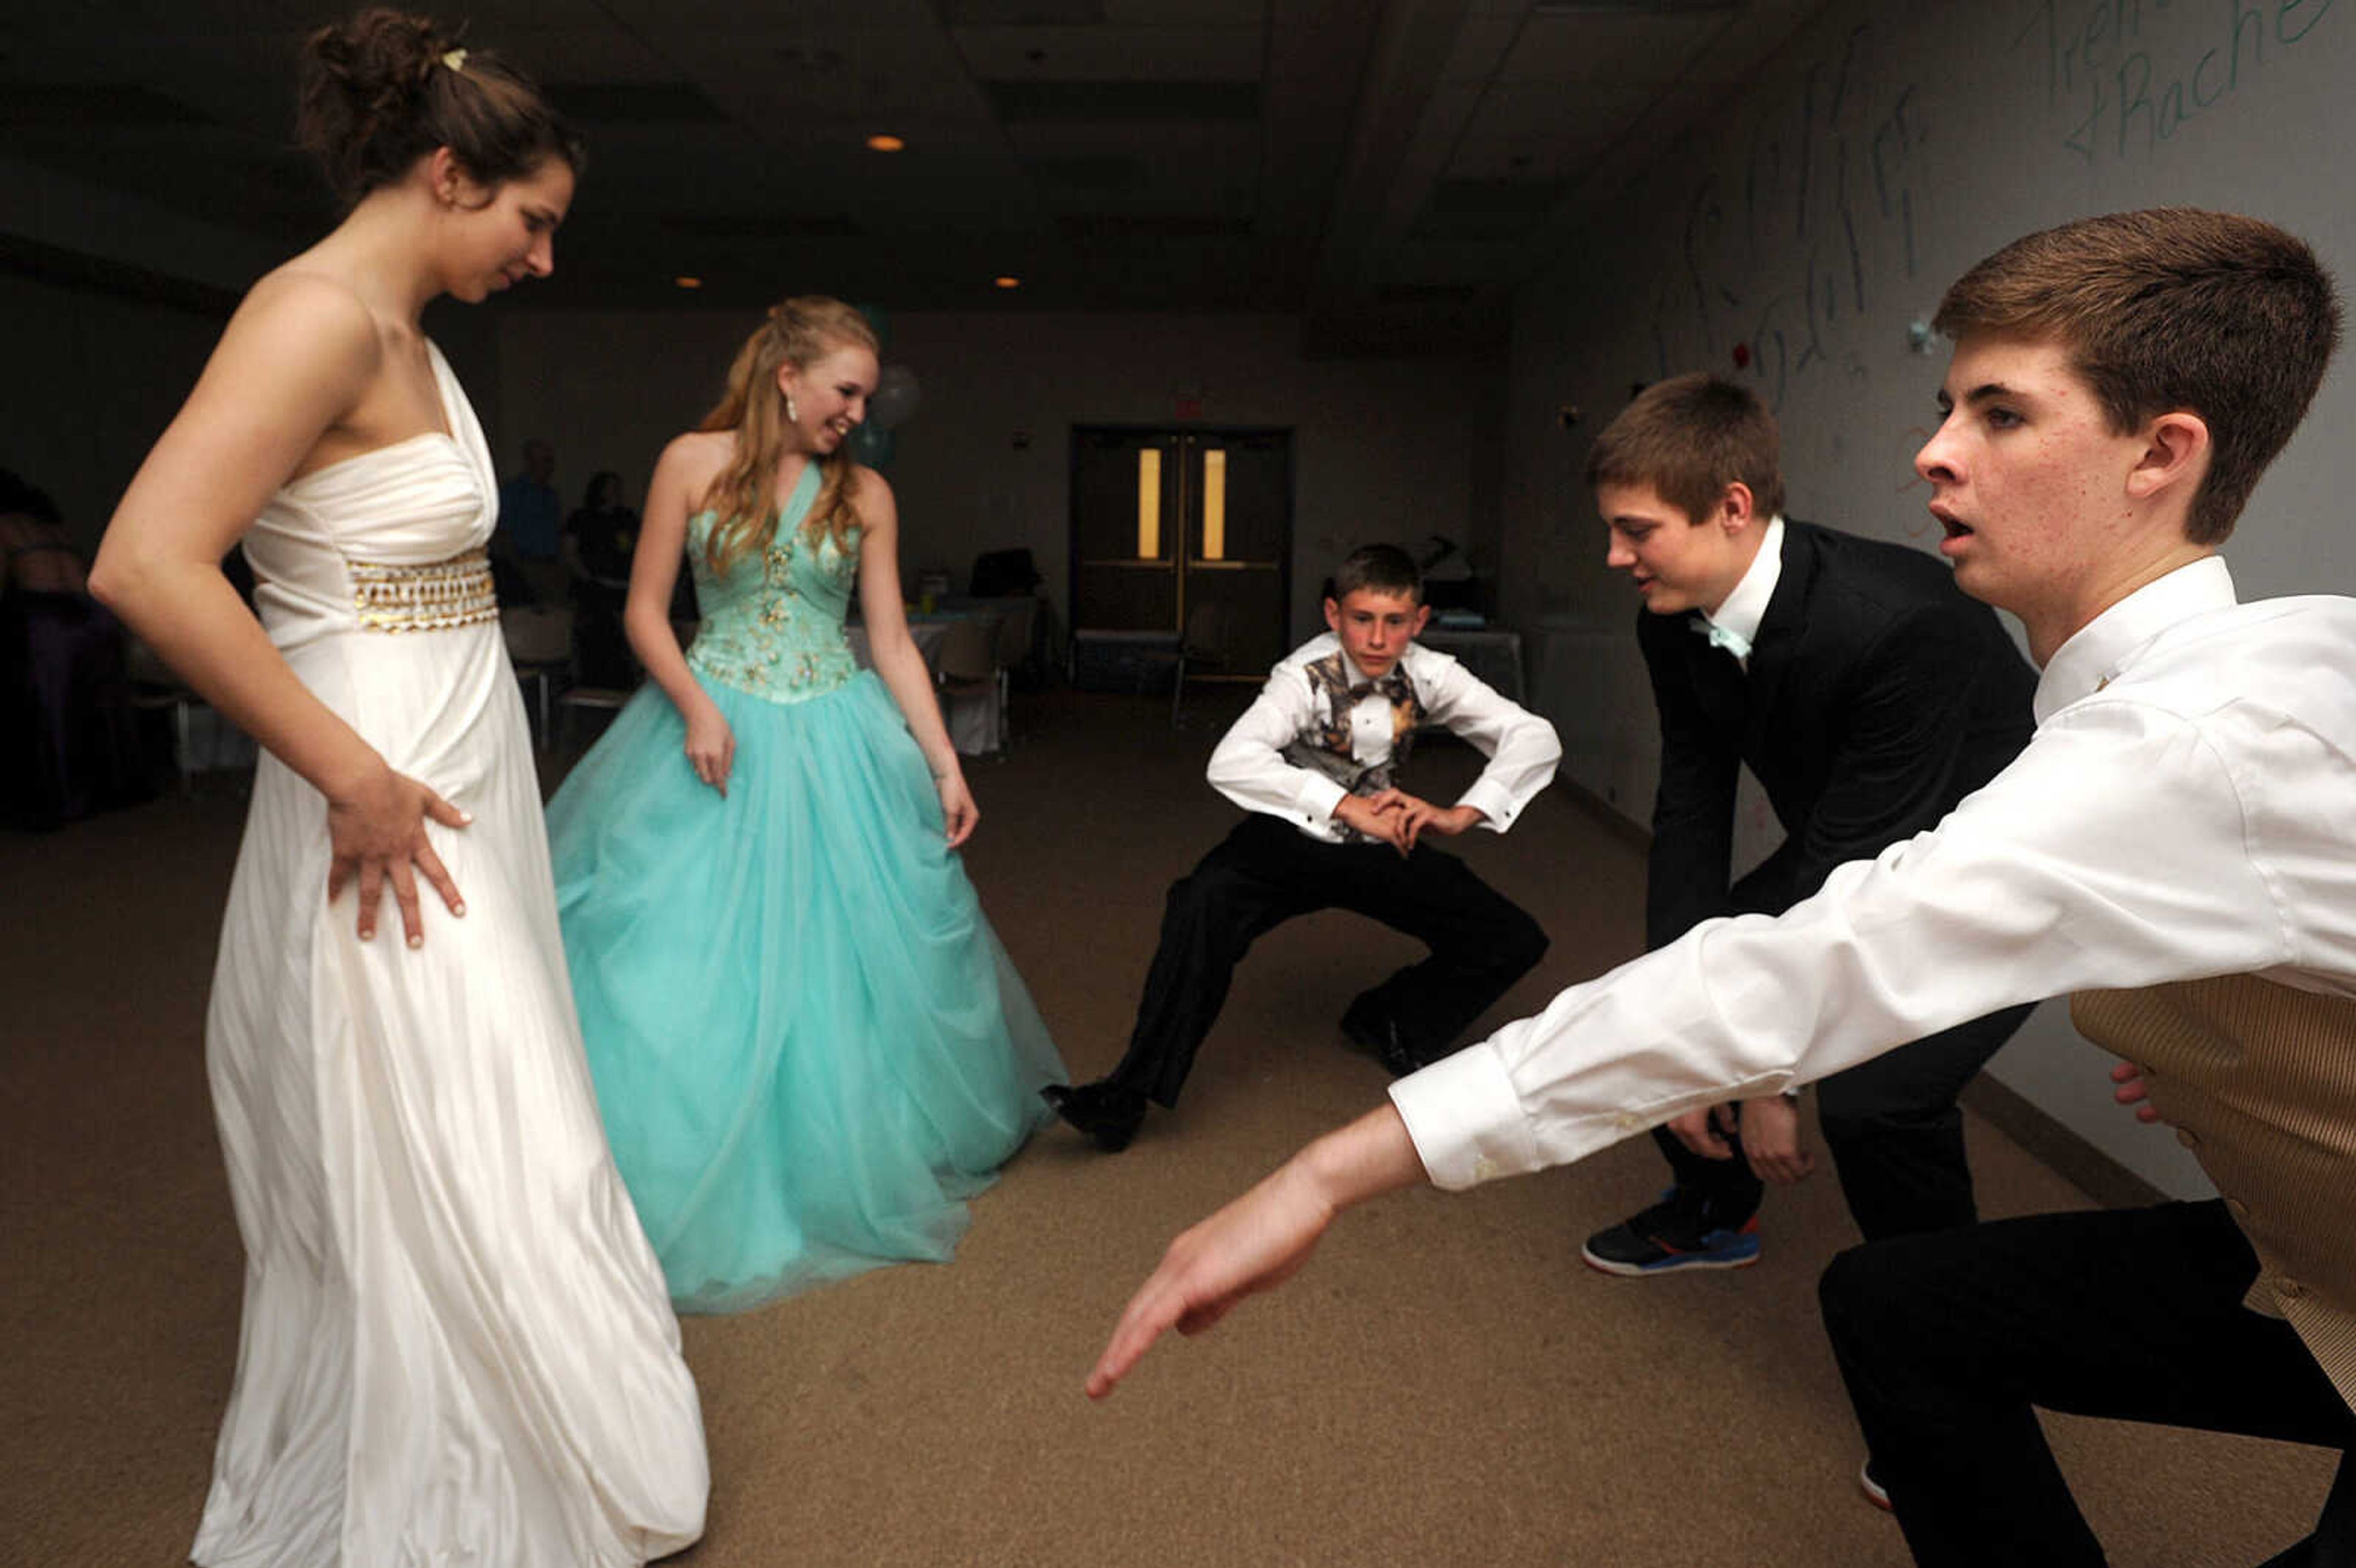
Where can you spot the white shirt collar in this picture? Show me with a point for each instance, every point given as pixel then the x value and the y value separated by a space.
pixel 2099 649
pixel 1746 605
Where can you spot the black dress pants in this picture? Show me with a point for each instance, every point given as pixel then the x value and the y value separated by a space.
pixel 1266 872
pixel 1946 1341
pixel 1892 1128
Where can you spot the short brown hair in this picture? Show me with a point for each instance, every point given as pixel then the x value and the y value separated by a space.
pixel 1384 568
pixel 2172 308
pixel 1689 437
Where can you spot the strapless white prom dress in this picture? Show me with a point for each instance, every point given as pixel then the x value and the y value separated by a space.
pixel 456 1346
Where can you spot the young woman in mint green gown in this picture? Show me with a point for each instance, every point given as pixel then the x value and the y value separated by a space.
pixel 809 1048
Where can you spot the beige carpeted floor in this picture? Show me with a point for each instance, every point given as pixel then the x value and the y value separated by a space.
pixel 1444 1384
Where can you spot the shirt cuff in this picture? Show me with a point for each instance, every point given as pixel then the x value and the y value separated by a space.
pixel 1491 801
pixel 1318 798
pixel 1467 1120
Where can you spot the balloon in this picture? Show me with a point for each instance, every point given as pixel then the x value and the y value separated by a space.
pixel 872 445
pixel 895 399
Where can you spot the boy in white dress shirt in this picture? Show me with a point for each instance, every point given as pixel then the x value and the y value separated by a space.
pixel 1314 762
pixel 2176 846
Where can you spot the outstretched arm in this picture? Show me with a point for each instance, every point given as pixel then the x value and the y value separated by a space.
pixel 1258 1242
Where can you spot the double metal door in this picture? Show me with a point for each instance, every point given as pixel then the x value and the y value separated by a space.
pixel 1185 534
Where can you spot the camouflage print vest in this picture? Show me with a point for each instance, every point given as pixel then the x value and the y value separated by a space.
pixel 1336 688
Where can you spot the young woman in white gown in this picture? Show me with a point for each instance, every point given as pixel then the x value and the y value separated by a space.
pixel 456 1346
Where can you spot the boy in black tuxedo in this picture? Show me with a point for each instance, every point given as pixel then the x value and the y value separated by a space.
pixel 1869 696
pixel 1314 763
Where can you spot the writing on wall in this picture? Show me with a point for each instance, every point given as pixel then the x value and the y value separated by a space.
pixel 2124 76
pixel 1782 250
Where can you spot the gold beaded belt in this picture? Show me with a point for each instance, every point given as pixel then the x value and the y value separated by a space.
pixel 431 597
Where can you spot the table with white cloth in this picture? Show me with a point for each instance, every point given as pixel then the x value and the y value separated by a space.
pixel 976 720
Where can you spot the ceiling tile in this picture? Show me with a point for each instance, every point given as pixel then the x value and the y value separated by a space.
pixel 1576 47
pixel 1386 169
pixel 1193 53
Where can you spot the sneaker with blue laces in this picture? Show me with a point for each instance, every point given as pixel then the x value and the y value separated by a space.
pixel 1675 1233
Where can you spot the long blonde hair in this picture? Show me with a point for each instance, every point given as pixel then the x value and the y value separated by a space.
pixel 799 332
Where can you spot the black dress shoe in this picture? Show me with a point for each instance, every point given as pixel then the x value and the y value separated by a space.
pixel 1107 1111
pixel 1379 1038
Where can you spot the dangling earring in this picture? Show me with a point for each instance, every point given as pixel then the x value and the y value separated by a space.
pixel 792 414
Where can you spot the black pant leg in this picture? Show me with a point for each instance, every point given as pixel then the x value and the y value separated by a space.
pixel 1262 874
pixel 1728 1191
pixel 1896 1135
pixel 1480 941
pixel 1948 1341
pixel 2333 1544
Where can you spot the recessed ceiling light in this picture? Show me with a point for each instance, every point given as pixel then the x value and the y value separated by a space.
pixel 1008 283
pixel 885 143
pixel 687 282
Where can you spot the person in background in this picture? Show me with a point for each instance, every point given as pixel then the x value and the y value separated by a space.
pixel 72 734
pixel 599 540
pixel 530 530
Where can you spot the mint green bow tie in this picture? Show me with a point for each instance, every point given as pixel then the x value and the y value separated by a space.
pixel 1734 642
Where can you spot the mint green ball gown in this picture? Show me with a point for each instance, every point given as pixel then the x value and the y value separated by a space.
pixel 809 1049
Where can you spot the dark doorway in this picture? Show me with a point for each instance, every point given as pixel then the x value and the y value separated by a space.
pixel 1182 539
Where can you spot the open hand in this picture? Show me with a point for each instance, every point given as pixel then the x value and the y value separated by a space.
pixel 377 834
pixel 1254 1244
pixel 1262 1238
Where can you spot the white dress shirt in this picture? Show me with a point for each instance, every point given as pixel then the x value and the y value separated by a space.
pixel 1249 769
pixel 2186 808
pixel 1739 614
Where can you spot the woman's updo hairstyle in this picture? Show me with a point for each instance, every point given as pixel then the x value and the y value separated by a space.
pixel 386 88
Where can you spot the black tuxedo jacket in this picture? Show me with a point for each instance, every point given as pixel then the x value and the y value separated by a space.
pixel 1878 696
